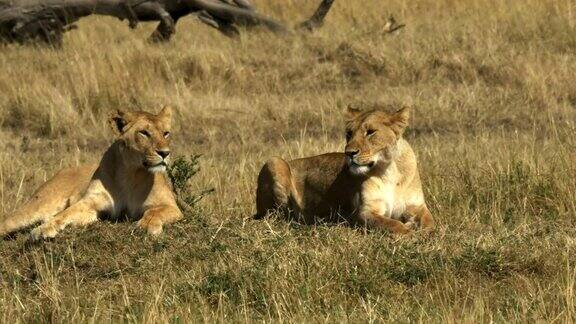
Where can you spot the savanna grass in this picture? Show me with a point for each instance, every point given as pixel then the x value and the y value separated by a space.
pixel 494 106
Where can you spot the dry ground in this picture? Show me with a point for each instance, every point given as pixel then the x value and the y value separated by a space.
pixel 492 86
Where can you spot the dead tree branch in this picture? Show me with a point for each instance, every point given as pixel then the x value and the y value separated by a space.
pixel 48 20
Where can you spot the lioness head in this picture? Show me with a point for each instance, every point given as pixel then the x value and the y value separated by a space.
pixel 371 137
pixel 145 137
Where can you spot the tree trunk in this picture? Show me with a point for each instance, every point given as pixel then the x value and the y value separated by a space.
pixel 48 20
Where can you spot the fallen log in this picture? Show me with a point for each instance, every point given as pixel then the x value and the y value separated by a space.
pixel 47 20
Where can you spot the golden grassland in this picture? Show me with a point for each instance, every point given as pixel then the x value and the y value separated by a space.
pixel 492 88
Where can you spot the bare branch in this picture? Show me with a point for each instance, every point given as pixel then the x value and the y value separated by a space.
pixel 240 16
pixel 222 26
pixel 317 19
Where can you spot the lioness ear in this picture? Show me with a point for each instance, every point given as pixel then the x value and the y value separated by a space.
pixel 165 115
pixel 119 120
pixel 399 120
pixel 352 112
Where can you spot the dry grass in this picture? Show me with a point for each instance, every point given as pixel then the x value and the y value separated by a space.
pixel 492 86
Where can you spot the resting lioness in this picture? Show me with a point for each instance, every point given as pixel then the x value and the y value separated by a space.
pixel 375 182
pixel 129 181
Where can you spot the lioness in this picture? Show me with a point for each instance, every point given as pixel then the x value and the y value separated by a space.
pixel 129 180
pixel 375 182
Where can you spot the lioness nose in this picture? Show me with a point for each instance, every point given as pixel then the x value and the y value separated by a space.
pixel 352 153
pixel 163 153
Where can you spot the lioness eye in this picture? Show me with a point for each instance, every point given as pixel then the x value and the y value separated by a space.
pixel 348 135
pixel 370 132
pixel 166 134
pixel 144 133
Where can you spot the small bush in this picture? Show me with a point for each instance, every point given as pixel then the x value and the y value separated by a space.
pixel 180 172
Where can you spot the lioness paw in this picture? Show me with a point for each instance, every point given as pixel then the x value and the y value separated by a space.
pixel 411 225
pixel 403 230
pixel 43 232
pixel 151 226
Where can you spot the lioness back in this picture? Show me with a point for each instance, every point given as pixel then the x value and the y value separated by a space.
pixel 317 186
pixel 62 190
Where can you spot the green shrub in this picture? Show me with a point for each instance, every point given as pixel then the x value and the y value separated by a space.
pixel 180 172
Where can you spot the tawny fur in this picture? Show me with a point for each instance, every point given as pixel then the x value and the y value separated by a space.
pixel 375 182
pixel 128 182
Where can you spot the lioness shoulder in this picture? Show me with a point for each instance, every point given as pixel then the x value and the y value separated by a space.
pixel 374 182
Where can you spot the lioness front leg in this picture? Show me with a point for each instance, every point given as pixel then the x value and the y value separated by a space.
pixel 421 216
pixel 156 216
pixel 386 223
